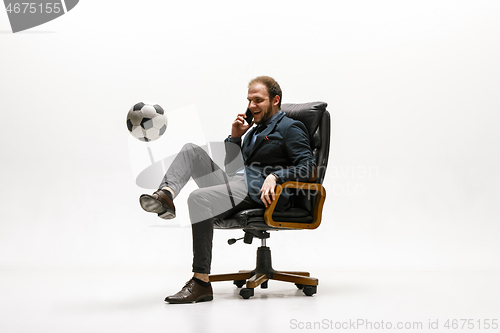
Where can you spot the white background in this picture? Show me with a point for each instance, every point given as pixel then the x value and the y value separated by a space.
pixel 412 88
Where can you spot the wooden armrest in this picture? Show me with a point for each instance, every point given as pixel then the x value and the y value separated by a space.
pixel 318 208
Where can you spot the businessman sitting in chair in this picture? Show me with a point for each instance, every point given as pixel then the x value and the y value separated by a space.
pixel 277 150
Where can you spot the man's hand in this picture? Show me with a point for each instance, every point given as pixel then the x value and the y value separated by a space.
pixel 267 191
pixel 240 126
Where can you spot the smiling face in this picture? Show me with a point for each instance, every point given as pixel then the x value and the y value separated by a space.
pixel 260 104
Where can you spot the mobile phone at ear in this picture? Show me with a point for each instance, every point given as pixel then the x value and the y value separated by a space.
pixel 249 117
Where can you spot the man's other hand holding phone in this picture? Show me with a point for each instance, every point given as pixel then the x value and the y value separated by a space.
pixel 241 124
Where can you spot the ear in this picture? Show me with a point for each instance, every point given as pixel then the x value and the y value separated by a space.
pixel 276 100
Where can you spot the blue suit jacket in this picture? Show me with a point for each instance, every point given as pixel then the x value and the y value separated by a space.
pixel 282 148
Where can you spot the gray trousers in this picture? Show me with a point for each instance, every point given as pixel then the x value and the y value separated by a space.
pixel 218 196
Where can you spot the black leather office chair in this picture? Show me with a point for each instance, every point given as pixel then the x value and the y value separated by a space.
pixel 305 214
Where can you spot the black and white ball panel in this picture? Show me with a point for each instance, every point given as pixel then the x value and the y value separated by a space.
pixel 147 122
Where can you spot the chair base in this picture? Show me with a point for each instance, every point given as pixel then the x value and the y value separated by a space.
pixel 264 272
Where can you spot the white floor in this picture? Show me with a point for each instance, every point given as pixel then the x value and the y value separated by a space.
pixel 121 300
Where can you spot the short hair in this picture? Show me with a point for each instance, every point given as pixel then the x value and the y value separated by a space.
pixel 273 88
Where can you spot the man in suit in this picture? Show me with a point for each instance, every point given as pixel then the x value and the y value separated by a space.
pixel 277 150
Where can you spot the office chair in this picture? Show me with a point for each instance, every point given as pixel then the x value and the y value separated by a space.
pixel 305 214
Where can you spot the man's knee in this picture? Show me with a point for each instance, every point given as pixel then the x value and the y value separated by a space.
pixel 199 197
pixel 201 206
pixel 190 146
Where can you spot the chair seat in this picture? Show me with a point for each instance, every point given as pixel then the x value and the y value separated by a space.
pixel 254 219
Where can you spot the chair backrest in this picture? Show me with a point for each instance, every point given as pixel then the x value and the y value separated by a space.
pixel 317 121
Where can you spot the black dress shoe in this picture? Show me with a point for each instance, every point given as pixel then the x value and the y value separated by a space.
pixel 159 203
pixel 192 292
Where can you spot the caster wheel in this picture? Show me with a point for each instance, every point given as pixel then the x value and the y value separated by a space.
pixel 310 290
pixel 239 283
pixel 246 293
pixel 299 286
pixel 264 285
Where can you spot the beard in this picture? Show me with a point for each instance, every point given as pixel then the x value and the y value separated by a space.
pixel 266 114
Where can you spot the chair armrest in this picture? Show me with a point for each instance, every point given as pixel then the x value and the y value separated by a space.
pixel 318 208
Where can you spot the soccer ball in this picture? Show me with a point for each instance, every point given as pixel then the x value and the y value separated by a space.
pixel 146 122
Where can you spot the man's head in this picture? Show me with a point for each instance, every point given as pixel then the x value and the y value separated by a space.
pixel 264 98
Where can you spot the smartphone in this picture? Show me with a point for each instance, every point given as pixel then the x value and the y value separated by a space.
pixel 249 117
